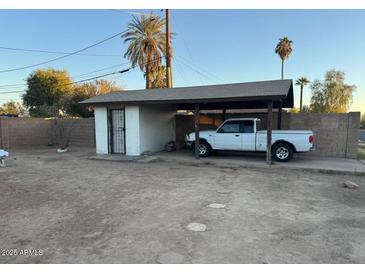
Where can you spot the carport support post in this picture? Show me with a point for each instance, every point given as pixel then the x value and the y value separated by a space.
pixel 269 132
pixel 197 128
pixel 280 110
pixel 223 115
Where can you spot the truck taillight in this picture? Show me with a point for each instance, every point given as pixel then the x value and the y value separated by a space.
pixel 311 139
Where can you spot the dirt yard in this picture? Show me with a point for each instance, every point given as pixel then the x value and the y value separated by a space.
pixel 66 208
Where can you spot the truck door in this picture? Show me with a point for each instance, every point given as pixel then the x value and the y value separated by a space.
pixel 248 135
pixel 229 136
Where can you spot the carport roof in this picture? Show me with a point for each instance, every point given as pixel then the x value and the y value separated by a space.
pixel 229 96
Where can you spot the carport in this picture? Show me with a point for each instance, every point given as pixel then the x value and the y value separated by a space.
pixel 250 95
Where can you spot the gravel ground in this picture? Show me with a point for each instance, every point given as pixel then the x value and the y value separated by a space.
pixel 66 208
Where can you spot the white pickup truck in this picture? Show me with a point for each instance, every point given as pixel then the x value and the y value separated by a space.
pixel 245 134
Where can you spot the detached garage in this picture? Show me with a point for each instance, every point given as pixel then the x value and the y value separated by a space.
pixel 132 122
pixel 132 130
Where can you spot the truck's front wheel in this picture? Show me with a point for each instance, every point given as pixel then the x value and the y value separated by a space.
pixel 282 152
pixel 204 149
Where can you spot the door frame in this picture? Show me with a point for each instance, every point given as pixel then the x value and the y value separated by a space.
pixel 110 133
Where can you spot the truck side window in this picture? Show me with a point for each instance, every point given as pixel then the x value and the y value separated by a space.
pixel 248 127
pixel 230 127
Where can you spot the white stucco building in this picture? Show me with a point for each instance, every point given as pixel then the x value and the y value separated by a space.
pixel 136 121
pixel 132 130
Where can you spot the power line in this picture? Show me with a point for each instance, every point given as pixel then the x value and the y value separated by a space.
pixel 205 73
pixel 11 85
pixel 64 56
pixel 129 12
pixel 89 79
pixel 56 52
pixel 76 76
pixel 194 69
pixel 76 82
pixel 106 68
pixel 9 99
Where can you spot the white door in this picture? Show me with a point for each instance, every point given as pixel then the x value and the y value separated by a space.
pixel 228 136
pixel 248 135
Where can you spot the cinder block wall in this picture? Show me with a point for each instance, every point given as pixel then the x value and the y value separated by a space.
pixel 18 132
pixel 336 134
pixel 83 132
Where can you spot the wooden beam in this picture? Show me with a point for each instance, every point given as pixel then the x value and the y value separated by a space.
pixel 223 115
pixel 197 128
pixel 280 110
pixel 269 132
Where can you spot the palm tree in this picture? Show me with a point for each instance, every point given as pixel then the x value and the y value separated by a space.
pixel 159 77
pixel 147 43
pixel 302 81
pixel 283 49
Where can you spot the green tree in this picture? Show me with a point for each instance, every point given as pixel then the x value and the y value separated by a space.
pixel 45 92
pixel 302 81
pixel 283 49
pixel 332 94
pixel 84 91
pixel 12 108
pixel 147 44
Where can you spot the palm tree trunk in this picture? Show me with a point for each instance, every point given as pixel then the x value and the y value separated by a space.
pixel 147 76
pixel 301 98
pixel 282 69
pixel 148 71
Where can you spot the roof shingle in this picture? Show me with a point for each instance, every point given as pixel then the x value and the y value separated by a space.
pixel 263 90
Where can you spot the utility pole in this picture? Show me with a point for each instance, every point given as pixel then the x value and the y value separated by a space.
pixel 168 52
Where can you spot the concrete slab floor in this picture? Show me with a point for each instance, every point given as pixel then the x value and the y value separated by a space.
pixel 257 160
pixel 78 210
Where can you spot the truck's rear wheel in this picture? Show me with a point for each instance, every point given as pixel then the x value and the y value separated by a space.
pixel 282 152
pixel 204 149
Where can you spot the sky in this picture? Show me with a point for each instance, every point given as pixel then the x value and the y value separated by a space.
pixel 210 46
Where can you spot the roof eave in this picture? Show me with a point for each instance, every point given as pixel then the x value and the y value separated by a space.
pixel 196 101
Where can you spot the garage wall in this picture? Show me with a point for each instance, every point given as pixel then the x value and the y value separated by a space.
pixel 101 130
pixel 157 127
pixel 132 133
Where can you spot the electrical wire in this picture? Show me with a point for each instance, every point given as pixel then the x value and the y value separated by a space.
pixel 76 76
pixel 192 68
pixel 98 70
pixel 199 70
pixel 89 79
pixel 64 56
pixel 56 52
pixel 76 82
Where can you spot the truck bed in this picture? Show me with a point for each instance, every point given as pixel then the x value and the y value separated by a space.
pixel 286 131
pixel 298 138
